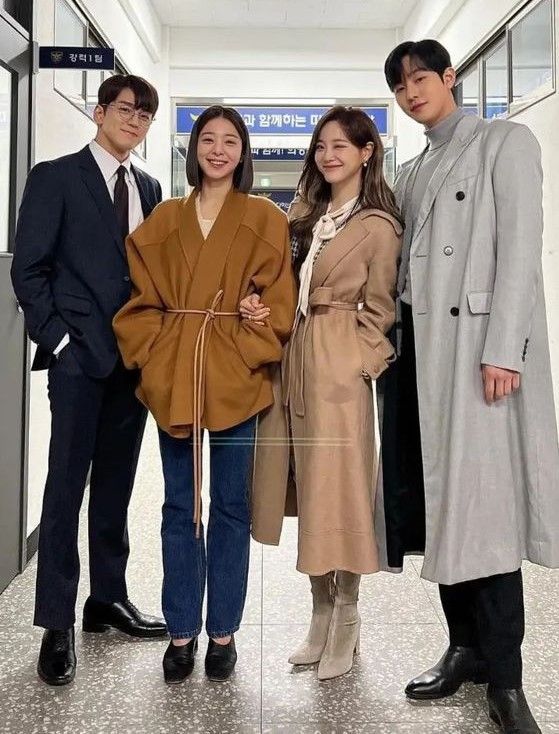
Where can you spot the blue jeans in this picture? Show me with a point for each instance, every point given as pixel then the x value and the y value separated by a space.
pixel 185 564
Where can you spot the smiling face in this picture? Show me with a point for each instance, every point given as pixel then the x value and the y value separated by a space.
pixel 336 157
pixel 219 150
pixel 423 95
pixel 115 134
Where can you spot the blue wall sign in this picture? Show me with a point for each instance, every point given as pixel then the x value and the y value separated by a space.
pixel 281 197
pixel 278 154
pixel 278 120
pixel 76 57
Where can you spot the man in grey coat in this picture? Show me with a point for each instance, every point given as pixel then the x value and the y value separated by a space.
pixel 470 458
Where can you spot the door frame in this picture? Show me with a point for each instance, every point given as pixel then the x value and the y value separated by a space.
pixel 19 59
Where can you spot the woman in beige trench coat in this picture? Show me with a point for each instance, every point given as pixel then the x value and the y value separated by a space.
pixel 346 238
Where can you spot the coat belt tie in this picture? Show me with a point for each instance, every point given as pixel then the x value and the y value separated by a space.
pixel 321 296
pixel 198 393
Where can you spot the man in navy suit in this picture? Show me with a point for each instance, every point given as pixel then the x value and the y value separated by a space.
pixel 70 276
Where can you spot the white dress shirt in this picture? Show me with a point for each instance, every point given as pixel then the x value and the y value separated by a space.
pixel 108 166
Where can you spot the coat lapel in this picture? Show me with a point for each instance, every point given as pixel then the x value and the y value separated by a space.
pixel 466 130
pixel 338 247
pixel 93 179
pixel 207 259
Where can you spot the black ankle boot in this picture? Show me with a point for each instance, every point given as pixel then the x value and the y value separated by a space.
pixel 457 665
pixel 220 660
pixel 178 661
pixel 509 709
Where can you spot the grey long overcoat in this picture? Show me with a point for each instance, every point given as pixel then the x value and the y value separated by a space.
pixel 491 473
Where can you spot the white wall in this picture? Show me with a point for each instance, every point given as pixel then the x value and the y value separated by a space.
pixel 474 22
pixel 142 44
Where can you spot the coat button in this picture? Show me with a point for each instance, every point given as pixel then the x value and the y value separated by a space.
pixel 460 195
pixel 454 311
pixel 126 278
pixel 448 250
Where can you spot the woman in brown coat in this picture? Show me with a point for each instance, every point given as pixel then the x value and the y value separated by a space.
pixel 191 263
pixel 346 235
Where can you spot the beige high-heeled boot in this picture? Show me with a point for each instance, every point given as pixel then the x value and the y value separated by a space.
pixel 345 626
pixel 310 650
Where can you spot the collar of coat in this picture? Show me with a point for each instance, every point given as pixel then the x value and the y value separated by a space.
pixel 466 131
pixel 348 238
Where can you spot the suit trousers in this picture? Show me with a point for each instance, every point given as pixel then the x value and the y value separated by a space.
pixel 488 614
pixel 97 424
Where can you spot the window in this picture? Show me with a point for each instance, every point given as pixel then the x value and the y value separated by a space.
pixel 70 30
pixel 467 91
pixel 515 69
pixel 495 68
pixel 532 53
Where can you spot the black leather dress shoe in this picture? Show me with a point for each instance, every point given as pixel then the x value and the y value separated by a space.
pixel 509 709
pixel 57 659
pixel 178 661
pixel 220 660
pixel 122 615
pixel 457 665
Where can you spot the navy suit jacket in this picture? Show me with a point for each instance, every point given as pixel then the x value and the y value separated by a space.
pixel 69 270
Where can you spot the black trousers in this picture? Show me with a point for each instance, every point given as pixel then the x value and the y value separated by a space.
pixel 485 613
pixel 488 614
pixel 98 424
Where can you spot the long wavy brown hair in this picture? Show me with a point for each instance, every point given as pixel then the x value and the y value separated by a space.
pixel 314 192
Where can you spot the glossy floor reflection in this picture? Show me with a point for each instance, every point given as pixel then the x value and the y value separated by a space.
pixel 119 684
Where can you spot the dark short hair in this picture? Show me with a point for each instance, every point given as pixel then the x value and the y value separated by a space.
pixel 243 175
pixel 145 94
pixel 426 54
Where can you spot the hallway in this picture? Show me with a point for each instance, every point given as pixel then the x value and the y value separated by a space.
pixel 119 684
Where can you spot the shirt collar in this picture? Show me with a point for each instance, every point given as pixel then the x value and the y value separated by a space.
pixel 107 162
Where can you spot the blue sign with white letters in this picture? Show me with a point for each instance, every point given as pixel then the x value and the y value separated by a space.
pixel 76 57
pixel 278 154
pixel 278 120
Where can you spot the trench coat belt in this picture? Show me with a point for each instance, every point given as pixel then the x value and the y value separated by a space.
pixel 198 393
pixel 321 296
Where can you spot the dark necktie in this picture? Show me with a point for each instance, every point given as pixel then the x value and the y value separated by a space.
pixel 121 201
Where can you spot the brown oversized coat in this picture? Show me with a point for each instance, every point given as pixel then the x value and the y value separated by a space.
pixel 324 404
pixel 173 269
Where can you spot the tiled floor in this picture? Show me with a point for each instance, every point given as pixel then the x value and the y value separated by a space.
pixel 119 685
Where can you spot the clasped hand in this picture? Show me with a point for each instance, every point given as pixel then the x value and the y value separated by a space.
pixel 252 309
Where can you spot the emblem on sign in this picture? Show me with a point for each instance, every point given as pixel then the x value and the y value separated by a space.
pixel 56 56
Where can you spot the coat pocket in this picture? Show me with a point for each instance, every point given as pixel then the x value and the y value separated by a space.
pixel 70 302
pixel 480 301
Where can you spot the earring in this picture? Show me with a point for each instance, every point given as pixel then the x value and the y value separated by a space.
pixel 364 164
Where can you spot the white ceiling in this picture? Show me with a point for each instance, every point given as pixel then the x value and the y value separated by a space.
pixel 284 13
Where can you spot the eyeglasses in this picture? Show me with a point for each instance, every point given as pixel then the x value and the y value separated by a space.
pixel 127 113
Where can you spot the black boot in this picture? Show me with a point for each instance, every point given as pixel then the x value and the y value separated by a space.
pixel 220 660
pixel 100 616
pixel 178 661
pixel 57 659
pixel 457 665
pixel 509 709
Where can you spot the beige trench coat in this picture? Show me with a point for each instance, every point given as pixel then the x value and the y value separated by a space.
pixel 318 439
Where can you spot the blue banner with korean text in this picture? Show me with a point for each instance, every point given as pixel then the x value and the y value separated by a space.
pixel 278 120
pixel 76 57
pixel 281 197
pixel 278 154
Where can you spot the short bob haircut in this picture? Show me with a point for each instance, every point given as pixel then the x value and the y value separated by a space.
pixel 428 55
pixel 243 175
pixel 145 94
